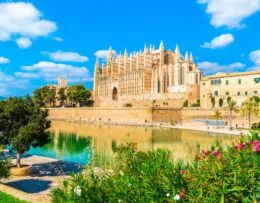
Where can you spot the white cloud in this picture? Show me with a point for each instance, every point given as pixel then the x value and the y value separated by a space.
pixel 24 43
pixel 230 13
pixel 8 83
pixel 50 71
pixel 102 54
pixel 20 19
pixel 66 56
pixel 6 78
pixel 220 41
pixel 4 36
pixel 26 75
pixel 255 57
pixel 4 60
pixel 202 1
pixel 58 39
pixel 209 68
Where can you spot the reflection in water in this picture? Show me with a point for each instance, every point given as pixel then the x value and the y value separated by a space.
pixel 77 142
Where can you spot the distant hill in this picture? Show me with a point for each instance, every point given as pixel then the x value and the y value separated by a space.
pixel 2 98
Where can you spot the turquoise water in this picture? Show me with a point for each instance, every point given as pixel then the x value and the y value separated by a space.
pixel 66 147
pixel 82 143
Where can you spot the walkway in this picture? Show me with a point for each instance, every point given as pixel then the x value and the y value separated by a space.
pixel 46 174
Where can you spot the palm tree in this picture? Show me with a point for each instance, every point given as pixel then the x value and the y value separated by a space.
pixel 218 116
pixel 250 108
pixel 232 107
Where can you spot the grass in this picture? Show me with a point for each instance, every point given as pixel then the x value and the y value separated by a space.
pixel 5 198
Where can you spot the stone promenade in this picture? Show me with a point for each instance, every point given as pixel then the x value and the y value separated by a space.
pixel 46 173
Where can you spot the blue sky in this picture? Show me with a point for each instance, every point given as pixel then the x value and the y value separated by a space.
pixel 40 39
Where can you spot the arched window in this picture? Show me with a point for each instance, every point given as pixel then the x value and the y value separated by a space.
pixel 114 94
pixel 168 59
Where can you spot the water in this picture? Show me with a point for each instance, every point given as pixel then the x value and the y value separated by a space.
pixel 79 143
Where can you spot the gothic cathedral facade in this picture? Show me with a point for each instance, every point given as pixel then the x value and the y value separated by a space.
pixel 147 75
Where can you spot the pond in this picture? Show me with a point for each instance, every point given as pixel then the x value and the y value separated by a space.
pixel 81 142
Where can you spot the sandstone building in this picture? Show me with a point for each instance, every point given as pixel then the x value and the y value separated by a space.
pixel 146 75
pixel 238 86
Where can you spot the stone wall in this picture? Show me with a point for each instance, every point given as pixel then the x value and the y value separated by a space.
pixel 166 115
pixel 143 115
pixel 119 115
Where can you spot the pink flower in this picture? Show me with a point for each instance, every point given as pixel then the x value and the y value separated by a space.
pixel 182 171
pixel 240 146
pixel 206 153
pixel 216 153
pixel 182 196
pixel 256 146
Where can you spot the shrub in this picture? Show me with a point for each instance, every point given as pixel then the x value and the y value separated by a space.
pixel 215 176
pixel 256 126
pixel 186 103
pixel 198 103
pixel 136 177
pixel 229 176
pixel 4 166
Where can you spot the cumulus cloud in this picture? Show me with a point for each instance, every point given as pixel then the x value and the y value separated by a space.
pixel 9 82
pixel 23 43
pixel 230 13
pixel 66 56
pixel 26 75
pixel 220 41
pixel 255 56
pixel 4 36
pixel 4 60
pixel 23 20
pixel 49 71
pixel 209 68
pixel 102 54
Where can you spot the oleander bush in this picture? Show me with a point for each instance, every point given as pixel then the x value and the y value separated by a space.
pixel 230 175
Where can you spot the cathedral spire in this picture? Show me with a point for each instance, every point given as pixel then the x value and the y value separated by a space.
pixel 110 53
pixel 97 64
pixel 177 50
pixel 161 46
pixel 177 53
pixel 145 48
pixel 187 56
pixel 151 48
pixel 191 57
pixel 125 54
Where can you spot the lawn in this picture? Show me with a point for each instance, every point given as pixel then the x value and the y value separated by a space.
pixel 5 198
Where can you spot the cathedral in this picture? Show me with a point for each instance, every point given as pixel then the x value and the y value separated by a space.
pixel 151 74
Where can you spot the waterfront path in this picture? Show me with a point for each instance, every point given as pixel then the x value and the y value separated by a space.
pixel 46 173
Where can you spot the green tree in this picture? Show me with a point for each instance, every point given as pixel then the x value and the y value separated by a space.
pixel 213 101
pixel 51 96
pixel 186 103
pixel 38 97
pixel 256 98
pixel 218 116
pixel 78 94
pixel 45 96
pixel 62 95
pixel 221 101
pixel 229 99
pixel 232 107
pixel 250 108
pixel 23 124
